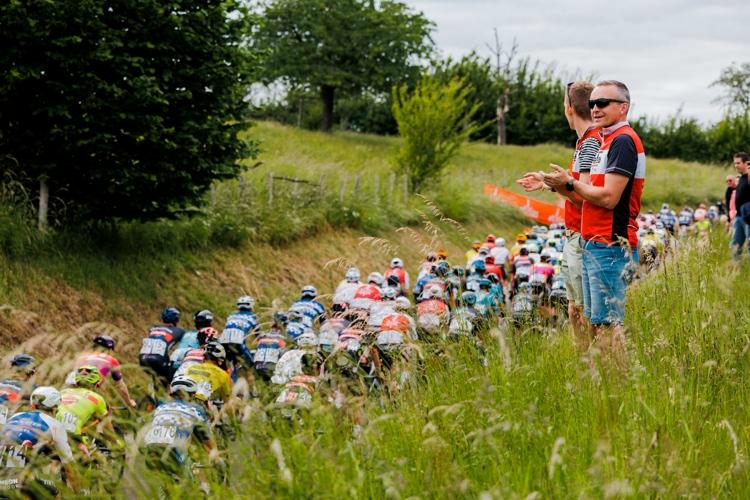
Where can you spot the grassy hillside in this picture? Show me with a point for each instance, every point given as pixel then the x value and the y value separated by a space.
pixel 537 419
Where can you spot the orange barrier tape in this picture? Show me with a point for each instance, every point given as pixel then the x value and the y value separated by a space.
pixel 544 213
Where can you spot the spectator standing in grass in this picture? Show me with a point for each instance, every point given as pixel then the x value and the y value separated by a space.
pixel 578 114
pixel 611 203
pixel 740 225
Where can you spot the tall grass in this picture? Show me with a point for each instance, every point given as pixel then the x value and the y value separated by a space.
pixel 547 422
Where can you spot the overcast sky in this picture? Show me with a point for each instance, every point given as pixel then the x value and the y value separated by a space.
pixel 667 51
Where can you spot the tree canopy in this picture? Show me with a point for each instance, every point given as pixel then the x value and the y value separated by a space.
pixel 129 108
pixel 342 45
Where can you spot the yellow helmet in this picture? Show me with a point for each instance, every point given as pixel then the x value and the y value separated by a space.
pixel 521 237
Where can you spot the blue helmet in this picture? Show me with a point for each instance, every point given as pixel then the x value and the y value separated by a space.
pixel 480 266
pixel 469 298
pixel 170 315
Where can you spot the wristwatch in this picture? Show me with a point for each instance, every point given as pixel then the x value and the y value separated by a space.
pixel 569 184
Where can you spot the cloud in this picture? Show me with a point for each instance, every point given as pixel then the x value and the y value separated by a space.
pixel 667 51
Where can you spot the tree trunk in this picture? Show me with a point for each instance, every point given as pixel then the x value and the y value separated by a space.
pixel 502 109
pixel 327 94
pixel 43 204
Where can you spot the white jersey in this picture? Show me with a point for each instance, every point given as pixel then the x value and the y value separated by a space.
pixel 501 255
pixel 345 292
pixel 379 310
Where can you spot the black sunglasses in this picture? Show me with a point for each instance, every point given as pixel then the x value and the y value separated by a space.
pixel 602 102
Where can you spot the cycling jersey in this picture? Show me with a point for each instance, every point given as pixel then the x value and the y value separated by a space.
pixel 188 342
pixel 380 310
pixel 401 274
pixel 213 382
pixel 501 255
pixel 104 362
pixel 174 423
pixel 298 391
pixel 310 309
pixel 268 350
pixel 160 340
pixel 12 394
pixel 345 292
pixel 239 325
pixel 365 296
pixel 33 431
pixel 78 407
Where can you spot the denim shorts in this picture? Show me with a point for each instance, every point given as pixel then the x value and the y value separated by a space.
pixel 604 282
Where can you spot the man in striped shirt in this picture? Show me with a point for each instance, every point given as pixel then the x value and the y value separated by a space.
pixel 612 201
pixel 578 114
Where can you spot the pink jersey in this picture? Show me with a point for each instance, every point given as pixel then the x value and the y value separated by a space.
pixel 104 362
pixel 542 268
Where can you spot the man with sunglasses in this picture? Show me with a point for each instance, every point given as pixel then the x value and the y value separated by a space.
pixel 611 202
pixel 578 114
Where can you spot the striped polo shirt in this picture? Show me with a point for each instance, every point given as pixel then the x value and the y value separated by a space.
pixel 587 147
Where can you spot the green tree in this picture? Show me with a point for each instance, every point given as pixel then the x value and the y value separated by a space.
pixel 734 81
pixel 124 108
pixel 342 45
pixel 434 121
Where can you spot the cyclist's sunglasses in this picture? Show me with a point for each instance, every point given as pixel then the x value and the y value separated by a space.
pixel 602 102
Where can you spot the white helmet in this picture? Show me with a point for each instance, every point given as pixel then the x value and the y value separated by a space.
pixel 376 278
pixel 307 339
pixel 245 303
pixel 402 303
pixel 390 293
pixel 309 292
pixel 45 397
pixel 396 262
pixel 432 291
pixel 500 242
pixel 352 275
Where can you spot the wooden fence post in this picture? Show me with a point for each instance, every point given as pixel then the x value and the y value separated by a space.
pixel 344 182
pixel 270 188
pixel 356 185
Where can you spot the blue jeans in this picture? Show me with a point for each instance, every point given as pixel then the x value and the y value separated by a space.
pixel 740 233
pixel 604 270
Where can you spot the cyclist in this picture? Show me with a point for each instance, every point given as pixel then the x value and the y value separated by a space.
pixel 369 293
pixel 82 409
pixel 432 311
pixel 490 241
pixel 500 253
pixel 16 390
pixel 240 325
pixel 107 365
pixel 471 254
pixel 193 356
pixel 213 382
pixel 426 266
pixel 269 346
pixel 189 342
pixel 161 338
pixel 29 440
pixel 520 243
pixel 397 270
pixel 165 441
pixel 312 311
pixel 348 287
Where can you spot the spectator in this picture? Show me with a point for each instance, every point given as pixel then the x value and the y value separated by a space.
pixel 611 203
pixel 578 114
pixel 741 198
pixel 730 198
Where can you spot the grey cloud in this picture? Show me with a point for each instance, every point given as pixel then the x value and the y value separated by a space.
pixel 668 51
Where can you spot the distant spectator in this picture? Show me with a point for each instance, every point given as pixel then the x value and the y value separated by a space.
pixel 742 204
pixel 729 196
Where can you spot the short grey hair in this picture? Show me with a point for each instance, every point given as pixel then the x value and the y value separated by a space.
pixel 621 88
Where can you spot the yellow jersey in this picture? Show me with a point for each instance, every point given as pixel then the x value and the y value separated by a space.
pixel 213 382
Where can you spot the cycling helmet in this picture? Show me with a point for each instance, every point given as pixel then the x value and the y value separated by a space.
pixel 105 341
pixel 500 242
pixel 469 298
pixel 170 315
pixel 309 292
pixel 431 257
pixel 480 266
pixel 458 271
pixel 352 275
pixel 665 206
pixel 214 350
pixel 490 238
pixel 183 383
pixel 396 262
pixel 402 303
pixel 489 259
pixel 493 278
pixel 393 281
pixel 442 269
pixel 476 244
pixel 485 283
pixel 432 292
pixel 294 317
pixel 22 361
pixel 521 237
pixel 245 303
pixel 88 376
pixel 544 258
pixel 45 397
pixel 442 254
pixel 207 334
pixel 280 318
pixel 484 251
pixel 376 279
pixel 390 293
pixel 307 339
pixel 659 225
pixel 203 319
